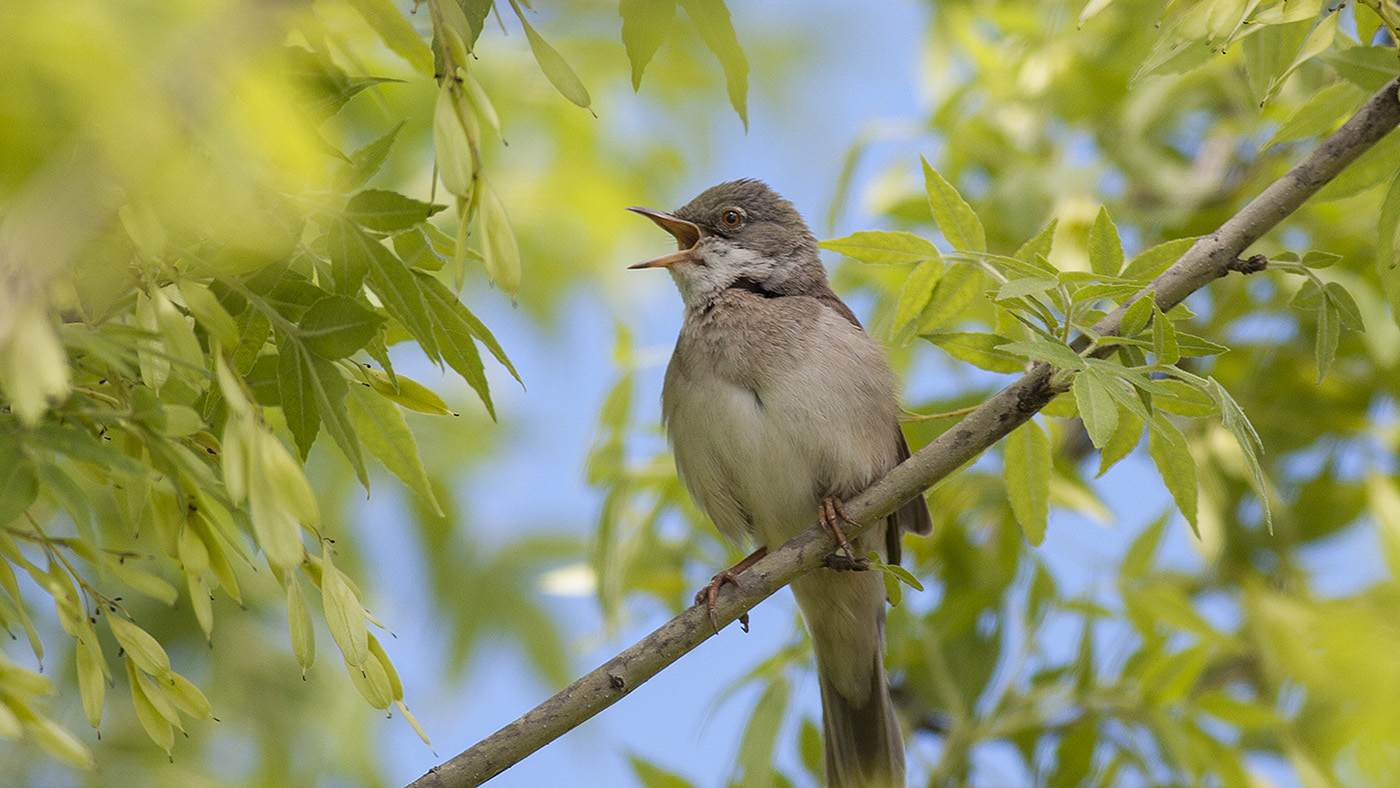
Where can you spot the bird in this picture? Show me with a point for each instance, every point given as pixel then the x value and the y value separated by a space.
pixel 778 406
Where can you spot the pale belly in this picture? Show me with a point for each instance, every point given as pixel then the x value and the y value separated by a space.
pixel 759 460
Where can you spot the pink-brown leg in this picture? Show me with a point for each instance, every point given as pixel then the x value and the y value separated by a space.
pixel 710 593
pixel 831 513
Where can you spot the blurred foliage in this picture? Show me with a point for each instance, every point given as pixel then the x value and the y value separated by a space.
pixel 1078 148
pixel 218 234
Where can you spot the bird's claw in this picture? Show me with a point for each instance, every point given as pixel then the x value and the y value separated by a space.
pixel 830 514
pixel 709 595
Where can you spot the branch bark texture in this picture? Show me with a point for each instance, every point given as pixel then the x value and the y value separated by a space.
pixel 1210 258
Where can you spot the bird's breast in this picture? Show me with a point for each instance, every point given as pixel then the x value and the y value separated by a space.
pixel 773 405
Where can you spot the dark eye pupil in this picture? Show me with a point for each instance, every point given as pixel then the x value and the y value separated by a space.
pixel 731 217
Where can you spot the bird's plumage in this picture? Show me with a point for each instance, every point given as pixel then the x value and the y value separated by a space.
pixel 775 398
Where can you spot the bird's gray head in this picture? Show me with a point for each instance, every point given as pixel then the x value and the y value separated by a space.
pixel 738 234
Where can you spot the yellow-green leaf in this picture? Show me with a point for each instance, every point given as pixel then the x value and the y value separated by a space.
pixel 345 616
pixel 142 649
pixel 1097 408
pixel 186 696
pixel 645 25
pixel 386 435
pixel 92 683
pixel 954 216
pixel 1105 248
pixel 498 242
pixel 1027 470
pixel 883 247
pixel 1169 451
pixel 396 33
pixel 155 725
pixel 712 22
pixel 916 292
pixel 555 68
pixel 299 623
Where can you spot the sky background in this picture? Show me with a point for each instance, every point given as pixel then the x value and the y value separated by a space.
pixel 864 73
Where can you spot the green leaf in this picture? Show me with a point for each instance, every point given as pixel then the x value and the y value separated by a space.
pixel 882 247
pixel 1368 67
pixel 1388 248
pixel 1038 248
pixel 337 326
pixel 1025 286
pixel 208 312
pixel 1097 408
pixel 501 252
pixel 1075 753
pixel 916 292
pixel 396 33
pixel 439 296
pixel 1347 310
pixel 388 211
pixel 955 218
pixel 1325 111
pixel 1136 316
pixel 645 25
pixel 1177 467
pixel 1232 416
pixel 453 331
pixel 1124 439
pixel 1056 353
pixel 345 615
pixel 1027 469
pixel 142 649
pixel 956 291
pixel 1150 263
pixel 92 685
pixel 553 64
pixel 407 392
pixel 19 486
pixel 1105 248
pixel 978 349
pixel 712 22
pixel 1164 343
pixel 652 776
pixel 393 282
pixel 381 426
pixel 365 162
pixel 756 745
pixel 1328 332
pixel 1194 346
pixel 1370 169
pixel 313 391
pixel 303 634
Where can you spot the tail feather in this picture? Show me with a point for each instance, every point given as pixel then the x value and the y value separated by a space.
pixel 862 740
pixel 845 615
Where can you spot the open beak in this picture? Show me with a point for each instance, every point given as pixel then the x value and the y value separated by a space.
pixel 687 235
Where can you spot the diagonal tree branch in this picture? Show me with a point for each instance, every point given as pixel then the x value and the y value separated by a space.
pixel 1211 257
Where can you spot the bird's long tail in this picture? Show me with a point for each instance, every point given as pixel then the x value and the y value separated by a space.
pixel 845 615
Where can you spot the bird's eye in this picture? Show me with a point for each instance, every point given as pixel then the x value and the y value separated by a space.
pixel 731 218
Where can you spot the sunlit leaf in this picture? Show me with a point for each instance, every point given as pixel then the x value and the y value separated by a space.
pixel 645 25
pixel 712 22
pixel 560 74
pixel 955 218
pixel 1177 467
pixel 1027 470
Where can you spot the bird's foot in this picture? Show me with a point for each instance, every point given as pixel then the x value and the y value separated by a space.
pixel 844 563
pixel 830 515
pixel 710 593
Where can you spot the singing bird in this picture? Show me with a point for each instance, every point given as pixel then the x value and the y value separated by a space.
pixel 778 406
